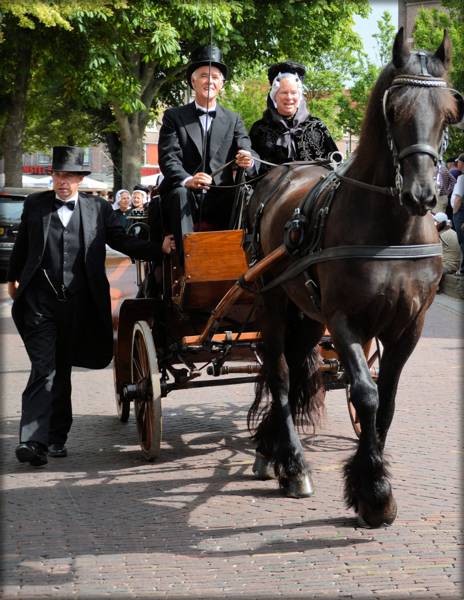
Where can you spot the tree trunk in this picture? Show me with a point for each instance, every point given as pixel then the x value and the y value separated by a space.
pixel 15 123
pixel 114 146
pixel 132 130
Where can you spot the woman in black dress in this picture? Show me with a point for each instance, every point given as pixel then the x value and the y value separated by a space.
pixel 287 132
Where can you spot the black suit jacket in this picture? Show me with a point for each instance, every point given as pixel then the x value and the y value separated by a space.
pixel 100 226
pixel 180 145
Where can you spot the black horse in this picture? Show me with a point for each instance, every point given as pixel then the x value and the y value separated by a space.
pixel 376 276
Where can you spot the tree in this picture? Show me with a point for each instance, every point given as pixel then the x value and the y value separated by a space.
pixel 352 103
pixel 25 42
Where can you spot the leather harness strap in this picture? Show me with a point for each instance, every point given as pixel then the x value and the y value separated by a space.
pixel 352 252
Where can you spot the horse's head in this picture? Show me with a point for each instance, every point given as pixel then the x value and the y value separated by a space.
pixel 418 105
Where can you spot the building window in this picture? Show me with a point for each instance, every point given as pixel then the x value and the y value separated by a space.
pixel 86 156
pixel 43 159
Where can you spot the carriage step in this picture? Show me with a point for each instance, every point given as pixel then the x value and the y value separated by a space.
pixel 228 336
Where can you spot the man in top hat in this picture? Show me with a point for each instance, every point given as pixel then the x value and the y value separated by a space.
pixel 62 306
pixel 194 141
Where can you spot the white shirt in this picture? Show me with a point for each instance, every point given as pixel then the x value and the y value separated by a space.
pixel 458 189
pixel 64 213
pixel 205 122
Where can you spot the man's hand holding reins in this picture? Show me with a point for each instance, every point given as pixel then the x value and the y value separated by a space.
pixel 244 159
pixel 199 181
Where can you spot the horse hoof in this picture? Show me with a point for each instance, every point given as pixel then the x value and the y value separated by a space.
pixel 263 468
pixel 301 487
pixel 373 519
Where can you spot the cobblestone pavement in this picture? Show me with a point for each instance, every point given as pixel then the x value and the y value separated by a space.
pixel 103 523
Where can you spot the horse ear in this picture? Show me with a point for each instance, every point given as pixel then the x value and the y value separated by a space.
pixel 401 51
pixel 443 52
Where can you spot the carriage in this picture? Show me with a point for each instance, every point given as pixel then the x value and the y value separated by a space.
pixel 194 326
pixel 368 269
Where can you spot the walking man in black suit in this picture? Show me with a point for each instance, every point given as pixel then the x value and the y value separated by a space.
pixel 194 141
pixel 62 306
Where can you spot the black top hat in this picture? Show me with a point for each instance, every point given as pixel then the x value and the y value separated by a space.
pixel 286 67
pixel 203 56
pixel 69 158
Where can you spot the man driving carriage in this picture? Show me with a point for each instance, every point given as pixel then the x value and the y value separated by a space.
pixel 195 141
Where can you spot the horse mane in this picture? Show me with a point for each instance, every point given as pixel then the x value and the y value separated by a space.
pixel 372 146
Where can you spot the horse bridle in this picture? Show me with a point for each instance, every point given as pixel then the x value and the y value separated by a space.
pixel 424 81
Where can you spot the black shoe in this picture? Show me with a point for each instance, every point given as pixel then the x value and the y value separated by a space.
pixel 57 451
pixel 32 452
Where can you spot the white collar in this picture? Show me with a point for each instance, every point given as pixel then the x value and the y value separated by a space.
pixel 75 198
pixel 210 108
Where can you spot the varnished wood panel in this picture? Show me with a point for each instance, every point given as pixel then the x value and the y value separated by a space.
pixel 214 256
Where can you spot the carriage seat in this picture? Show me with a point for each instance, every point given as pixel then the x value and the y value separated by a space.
pixel 213 261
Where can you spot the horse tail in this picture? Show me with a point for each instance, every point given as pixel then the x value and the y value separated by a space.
pixel 307 391
pixel 306 396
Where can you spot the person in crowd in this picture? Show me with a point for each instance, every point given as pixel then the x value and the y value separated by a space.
pixel 287 132
pixel 457 204
pixel 458 169
pixel 195 141
pixel 122 206
pixel 110 197
pixel 452 255
pixel 139 200
pixel 445 184
pixel 61 300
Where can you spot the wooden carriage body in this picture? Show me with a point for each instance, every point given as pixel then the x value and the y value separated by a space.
pixel 202 312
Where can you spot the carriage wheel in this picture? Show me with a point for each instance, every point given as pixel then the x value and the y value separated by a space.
pixel 147 400
pixel 122 409
pixel 373 361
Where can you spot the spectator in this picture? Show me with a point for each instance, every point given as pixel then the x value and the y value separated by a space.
pixel 139 200
pixel 458 169
pixel 445 185
pixel 452 255
pixel 121 206
pixel 457 205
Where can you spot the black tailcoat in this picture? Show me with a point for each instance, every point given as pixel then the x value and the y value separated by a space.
pixel 92 330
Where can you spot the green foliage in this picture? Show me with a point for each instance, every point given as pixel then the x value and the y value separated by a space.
pixel 248 98
pixel 385 37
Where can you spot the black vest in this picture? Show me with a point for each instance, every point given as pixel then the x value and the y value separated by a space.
pixel 63 258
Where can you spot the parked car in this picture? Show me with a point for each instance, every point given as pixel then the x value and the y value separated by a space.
pixel 11 208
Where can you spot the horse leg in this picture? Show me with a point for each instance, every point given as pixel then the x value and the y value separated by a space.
pixel 276 436
pixel 394 357
pixel 367 485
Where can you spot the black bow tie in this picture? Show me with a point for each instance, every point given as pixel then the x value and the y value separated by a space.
pixel 59 203
pixel 210 113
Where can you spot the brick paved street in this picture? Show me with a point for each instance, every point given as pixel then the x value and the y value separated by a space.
pixel 103 523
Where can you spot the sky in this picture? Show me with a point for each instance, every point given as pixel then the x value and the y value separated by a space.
pixel 366 27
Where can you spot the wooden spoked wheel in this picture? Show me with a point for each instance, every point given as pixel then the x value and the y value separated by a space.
pixel 145 379
pixel 373 361
pixel 122 408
